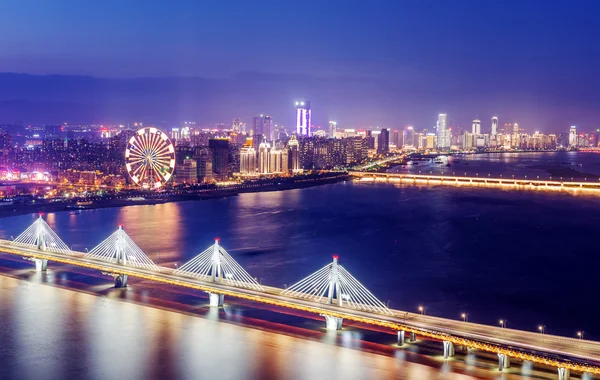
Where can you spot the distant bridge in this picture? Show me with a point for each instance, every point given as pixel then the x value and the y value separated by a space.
pixel 331 292
pixel 592 186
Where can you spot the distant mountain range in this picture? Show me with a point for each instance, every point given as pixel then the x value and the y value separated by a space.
pixel 351 101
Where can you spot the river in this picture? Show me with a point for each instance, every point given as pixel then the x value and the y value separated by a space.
pixel 526 257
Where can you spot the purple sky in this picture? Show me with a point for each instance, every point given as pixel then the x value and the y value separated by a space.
pixel 386 63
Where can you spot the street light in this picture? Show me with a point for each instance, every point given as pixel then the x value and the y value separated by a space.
pixel 464 316
pixel 580 334
pixel 502 322
pixel 541 329
pixel 422 309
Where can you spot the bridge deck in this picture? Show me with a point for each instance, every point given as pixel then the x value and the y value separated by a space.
pixel 575 354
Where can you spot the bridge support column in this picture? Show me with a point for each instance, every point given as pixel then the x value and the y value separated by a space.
pixel 120 280
pixel 448 349
pixel 413 337
pixel 216 300
pixel 503 362
pixel 400 338
pixel 40 265
pixel 564 374
pixel 333 323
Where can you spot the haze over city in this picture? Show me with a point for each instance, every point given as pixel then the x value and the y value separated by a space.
pixel 332 189
pixel 364 64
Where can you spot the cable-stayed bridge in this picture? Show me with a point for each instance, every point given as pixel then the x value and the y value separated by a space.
pixel 332 292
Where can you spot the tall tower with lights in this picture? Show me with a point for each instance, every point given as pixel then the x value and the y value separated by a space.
pixel 303 118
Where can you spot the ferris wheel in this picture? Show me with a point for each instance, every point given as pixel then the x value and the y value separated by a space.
pixel 150 158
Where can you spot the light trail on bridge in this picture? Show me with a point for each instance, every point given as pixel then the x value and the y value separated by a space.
pixel 514 343
pixel 331 292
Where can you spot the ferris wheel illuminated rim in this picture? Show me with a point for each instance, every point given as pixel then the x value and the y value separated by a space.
pixel 150 158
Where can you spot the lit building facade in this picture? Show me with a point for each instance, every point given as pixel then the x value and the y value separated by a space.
pixel 303 118
pixel 443 133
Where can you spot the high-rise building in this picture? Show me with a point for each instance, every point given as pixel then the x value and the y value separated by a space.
pixel 476 130
pixel 395 138
pixel 303 118
pixel 187 172
pixel 494 130
pixel 267 131
pixel 175 135
pixel 515 138
pixel 257 125
pixel 409 137
pixel 247 160
pixel 236 125
pixel 275 161
pixel 204 165
pixel 293 147
pixel 263 157
pixel 443 133
pixel 220 158
pixel 383 141
pixel 332 129
pixel 573 136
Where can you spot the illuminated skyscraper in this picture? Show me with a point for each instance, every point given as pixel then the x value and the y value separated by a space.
pixel 476 130
pixel 303 118
pixel 409 137
pixel 268 128
pixel 294 154
pixel 263 158
pixel 573 136
pixel 332 129
pixel 494 131
pixel 247 160
pixel 515 136
pixel 443 133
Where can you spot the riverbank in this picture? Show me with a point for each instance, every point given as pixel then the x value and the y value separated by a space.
pixel 176 196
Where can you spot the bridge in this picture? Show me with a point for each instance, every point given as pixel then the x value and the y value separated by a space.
pixel 485 181
pixel 331 292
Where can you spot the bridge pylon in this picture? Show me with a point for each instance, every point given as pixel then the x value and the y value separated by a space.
pixel 340 288
pixel 216 265
pixel 41 237
pixel 119 248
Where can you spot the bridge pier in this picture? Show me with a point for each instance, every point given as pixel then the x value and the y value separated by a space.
pixel 564 374
pixel 400 338
pixel 41 265
pixel 216 300
pixel 333 323
pixel 413 337
pixel 120 280
pixel 503 362
pixel 448 349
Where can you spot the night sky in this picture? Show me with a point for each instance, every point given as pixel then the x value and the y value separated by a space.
pixel 387 63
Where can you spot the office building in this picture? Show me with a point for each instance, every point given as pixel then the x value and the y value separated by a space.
pixel 332 129
pixel 573 136
pixel 443 133
pixel 476 128
pixel 494 130
pixel 247 160
pixel 220 158
pixel 383 141
pixel 303 118
pixel 293 147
